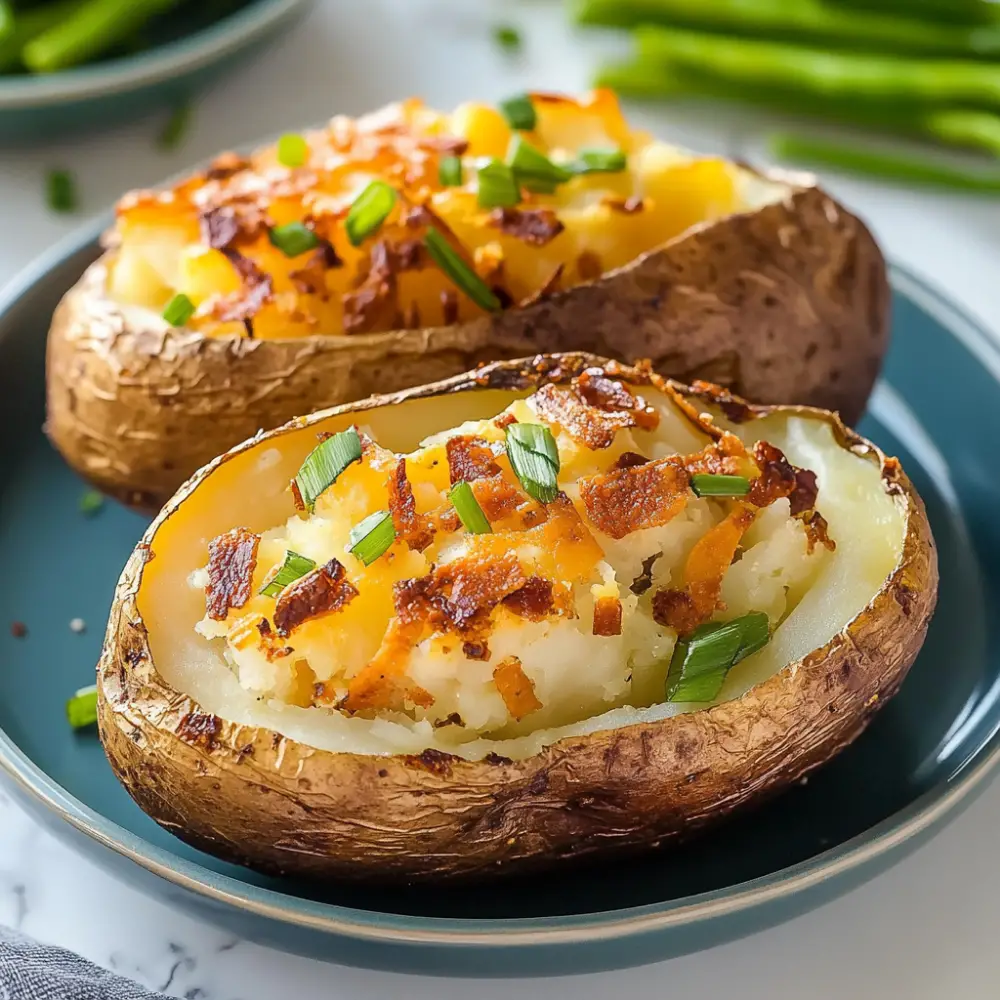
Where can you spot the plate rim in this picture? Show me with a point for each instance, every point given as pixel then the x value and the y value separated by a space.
pixel 374 926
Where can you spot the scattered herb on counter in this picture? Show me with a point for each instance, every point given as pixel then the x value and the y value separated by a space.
pixel 176 126
pixel 77 625
pixel 81 709
pixel 18 630
pixel 507 37
pixel 91 501
pixel 60 188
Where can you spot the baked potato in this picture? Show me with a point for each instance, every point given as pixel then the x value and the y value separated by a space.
pixel 599 611
pixel 410 245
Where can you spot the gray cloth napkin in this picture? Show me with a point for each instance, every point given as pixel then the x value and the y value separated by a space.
pixel 33 971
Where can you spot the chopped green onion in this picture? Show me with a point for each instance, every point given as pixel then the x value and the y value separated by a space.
pixel 527 161
pixel 175 126
pixel 293 238
pixel 706 484
pixel 507 37
pixel 289 571
pixel 293 150
pixel 372 536
pixel 81 709
pixel 61 191
pixel 450 172
pixel 178 310
pixel 519 112
pixel 536 185
pixel 534 457
pixel 498 186
pixel 91 501
pixel 467 507
pixel 599 161
pixel 464 278
pixel 700 663
pixel 370 209
pixel 325 463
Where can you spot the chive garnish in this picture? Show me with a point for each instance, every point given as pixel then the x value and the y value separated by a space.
pixel 450 172
pixel 507 37
pixel 467 507
pixel 498 187
pixel 534 457
pixel 464 278
pixel 175 126
pixel 81 709
pixel 325 463
pixel 293 238
pixel 372 536
pixel 288 572
pixel 178 310
pixel 61 191
pixel 598 161
pixel 707 484
pixel 530 163
pixel 700 663
pixel 91 501
pixel 370 209
pixel 519 112
pixel 293 150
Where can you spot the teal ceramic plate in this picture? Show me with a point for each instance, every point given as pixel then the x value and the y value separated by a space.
pixel 926 755
pixel 107 93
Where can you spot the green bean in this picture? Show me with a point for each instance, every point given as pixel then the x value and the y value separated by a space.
pixel 886 165
pixel 811 21
pixel 28 24
pixel 94 28
pixel 843 76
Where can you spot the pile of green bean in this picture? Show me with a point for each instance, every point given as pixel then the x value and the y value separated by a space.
pixel 925 68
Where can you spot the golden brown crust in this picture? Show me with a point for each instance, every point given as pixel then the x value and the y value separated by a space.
pixel 786 303
pixel 434 815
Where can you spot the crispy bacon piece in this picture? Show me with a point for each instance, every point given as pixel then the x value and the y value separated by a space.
pixel 382 682
pixel 310 279
pixel 232 558
pixel 320 592
pixel 630 460
pixel 536 226
pixel 726 456
pixel 641 496
pixel 803 497
pixel 607 616
pixel 816 531
pixel 470 458
pixel 776 478
pixel 475 650
pixel 258 288
pixel 415 529
pixel 451 145
pixel 499 498
pixel 644 580
pixel 225 165
pixel 611 396
pixel 515 688
pixel 734 408
pixel 533 601
pixel 706 565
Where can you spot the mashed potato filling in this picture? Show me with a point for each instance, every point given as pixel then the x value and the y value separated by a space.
pixel 563 618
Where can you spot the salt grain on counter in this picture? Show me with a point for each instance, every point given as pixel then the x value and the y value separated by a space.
pixel 77 625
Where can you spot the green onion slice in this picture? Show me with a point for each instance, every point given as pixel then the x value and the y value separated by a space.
pixel 178 310
pixel 534 457
pixel 519 112
pixel 289 571
pixel 467 507
pixel 370 209
pixel 507 37
pixel 372 536
pixel 464 278
pixel 81 709
pixel 293 238
pixel 599 161
pixel 528 161
pixel 450 172
pixel 61 191
pixel 498 187
pixel 701 662
pixel 293 150
pixel 707 484
pixel 325 463
pixel 91 501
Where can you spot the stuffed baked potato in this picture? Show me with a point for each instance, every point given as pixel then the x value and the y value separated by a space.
pixel 410 245
pixel 595 613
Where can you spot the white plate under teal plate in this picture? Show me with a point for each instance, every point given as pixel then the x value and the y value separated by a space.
pixel 924 758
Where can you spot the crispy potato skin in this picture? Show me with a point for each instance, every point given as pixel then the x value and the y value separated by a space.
pixel 787 304
pixel 433 815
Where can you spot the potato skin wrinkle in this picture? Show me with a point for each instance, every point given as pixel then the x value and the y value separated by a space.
pixel 258 796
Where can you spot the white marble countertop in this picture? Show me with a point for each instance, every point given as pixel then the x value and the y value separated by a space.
pixel 923 931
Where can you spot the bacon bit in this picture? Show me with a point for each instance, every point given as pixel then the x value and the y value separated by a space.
pixel 726 456
pixel 533 601
pixel 589 266
pixel 644 580
pixel 630 460
pixel 310 279
pixel 258 288
pixel 454 719
pixel 611 396
pixel 627 205
pixel 735 409
pixel 18 630
pixel 232 558
pixel 706 565
pixel 499 498
pixel 450 145
pixel 607 616
pixel 374 305
pixel 449 307
pixel 321 591
pixel 504 420
pixel 470 458
pixel 219 227
pixel 803 497
pixel 816 531
pixel 550 284
pixel 504 297
pixel 776 479
pixel 225 165
pixel 264 627
pixel 381 683
pixel 415 529
pixel 297 500
pixel 515 688
pixel 536 226
pixel 476 650
pixel 637 497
